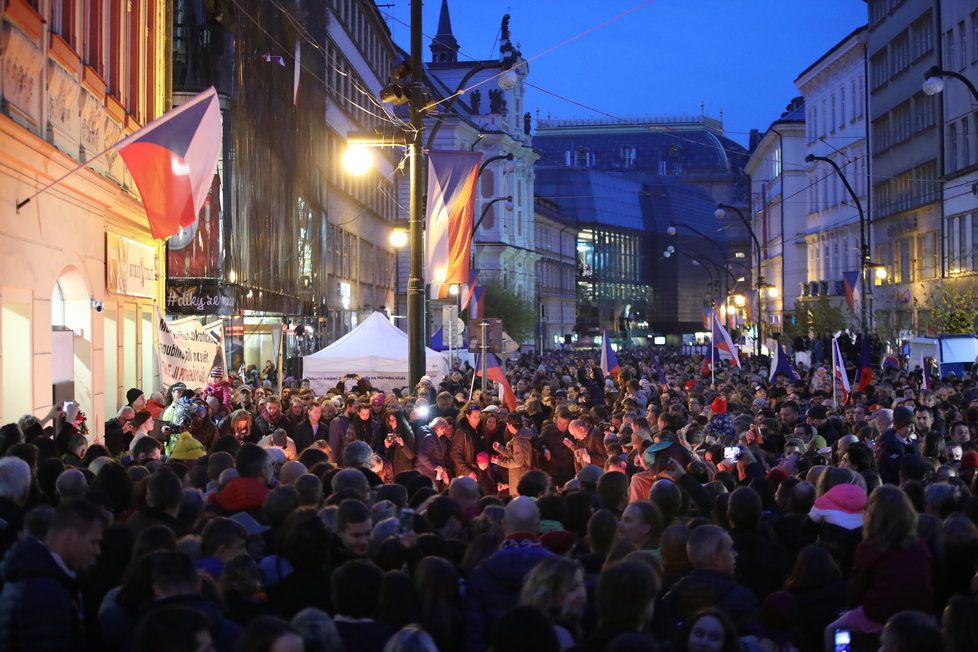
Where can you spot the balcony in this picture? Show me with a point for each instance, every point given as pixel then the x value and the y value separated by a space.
pixel 822 289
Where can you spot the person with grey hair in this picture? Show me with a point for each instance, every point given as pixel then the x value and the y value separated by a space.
pixel 352 480
pixel 118 429
pixel 15 487
pixel 71 484
pixel 940 499
pixel 434 441
pixel 495 584
pixel 465 491
pixel 310 490
pixel 318 631
pixel 357 455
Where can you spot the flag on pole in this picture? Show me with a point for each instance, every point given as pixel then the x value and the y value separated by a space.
pixel 495 373
pixel 706 317
pixel 850 286
pixel 841 377
pixel 469 288
pixel 172 161
pixel 448 223
pixel 296 72
pixel 923 372
pixel 438 340
pixel 723 347
pixel 609 361
pixel 865 376
pixel 781 365
pixel 477 307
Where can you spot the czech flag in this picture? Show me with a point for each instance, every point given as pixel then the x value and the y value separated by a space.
pixel 172 160
pixel 469 288
pixel 477 308
pixel 438 340
pixel 781 365
pixel 448 224
pixel 924 384
pixel 609 361
pixel 850 286
pixel 839 364
pixel 865 365
pixel 723 346
pixel 495 373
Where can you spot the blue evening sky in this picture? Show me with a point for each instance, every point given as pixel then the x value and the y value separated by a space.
pixel 740 57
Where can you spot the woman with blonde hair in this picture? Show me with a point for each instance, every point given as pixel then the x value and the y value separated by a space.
pixel 556 587
pixel 892 568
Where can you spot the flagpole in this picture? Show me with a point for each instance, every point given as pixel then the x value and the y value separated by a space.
pixel 713 358
pixel 64 176
pixel 835 400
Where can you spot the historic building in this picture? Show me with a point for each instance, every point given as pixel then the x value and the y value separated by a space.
pixel 905 148
pixel 834 89
pixel 79 271
pixel 778 178
pixel 652 183
pixel 556 244
pixel 287 234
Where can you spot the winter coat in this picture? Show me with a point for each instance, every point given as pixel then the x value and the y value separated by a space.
pixel 495 584
pixel 560 467
pixel 224 632
pixel 885 582
pixel 242 495
pixel 891 453
pixel 710 588
pixel 464 448
pixel 401 458
pixel 518 458
pixel 432 452
pixel 303 436
pixel 40 605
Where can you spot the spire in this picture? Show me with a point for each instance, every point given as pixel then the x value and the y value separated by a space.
pixel 444 47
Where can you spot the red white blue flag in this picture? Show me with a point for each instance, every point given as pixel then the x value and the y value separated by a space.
pixel 477 307
pixel 850 286
pixel 495 373
pixel 841 377
pixel 609 361
pixel 469 288
pixel 723 346
pixel 781 366
pixel 448 224
pixel 172 161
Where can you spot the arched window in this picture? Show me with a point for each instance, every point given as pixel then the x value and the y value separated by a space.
pixel 57 307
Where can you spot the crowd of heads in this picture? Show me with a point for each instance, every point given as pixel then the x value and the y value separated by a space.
pixel 669 507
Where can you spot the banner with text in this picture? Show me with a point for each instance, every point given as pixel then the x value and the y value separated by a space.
pixel 186 351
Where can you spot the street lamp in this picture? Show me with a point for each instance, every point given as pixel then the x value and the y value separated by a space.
pixel 719 213
pixel 672 229
pixel 934 82
pixel 863 237
pixel 357 160
pixel 399 238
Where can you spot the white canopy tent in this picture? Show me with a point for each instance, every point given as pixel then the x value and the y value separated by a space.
pixel 377 350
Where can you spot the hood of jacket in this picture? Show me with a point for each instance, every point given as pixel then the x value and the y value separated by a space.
pixel 512 562
pixel 242 495
pixel 848 498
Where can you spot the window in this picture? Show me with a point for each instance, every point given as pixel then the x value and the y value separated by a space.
pixel 115 48
pixel 824 129
pixel 927 249
pixel 921 36
pixel 842 106
pixel 949 50
pixel 881 133
pixel 965 143
pixel 952 147
pixel 815 133
pixel 899 54
pixel 94 12
pixel 963 46
pixel 878 69
pixel 923 111
pixel 134 68
pixel 900 121
pixel 776 163
pixel 582 157
pixel 832 121
pixel 974 36
pixel 63 20
pixel 959 235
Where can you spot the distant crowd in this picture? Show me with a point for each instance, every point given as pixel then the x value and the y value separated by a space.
pixel 650 510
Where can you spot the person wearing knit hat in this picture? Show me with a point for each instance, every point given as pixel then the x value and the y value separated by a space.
pixel 187 448
pixel 719 405
pixel 136 399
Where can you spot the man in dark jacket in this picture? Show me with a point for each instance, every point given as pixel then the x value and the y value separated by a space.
pixel 465 440
pixel 711 584
pixel 557 459
pixel 495 584
pixel 15 488
pixel 896 445
pixel 40 606
pixel 762 564
pixel 434 443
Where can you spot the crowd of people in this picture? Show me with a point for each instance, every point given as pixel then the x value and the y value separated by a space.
pixel 670 507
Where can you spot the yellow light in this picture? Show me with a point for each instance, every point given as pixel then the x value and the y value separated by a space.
pixel 440 274
pixel 399 238
pixel 357 160
pixel 881 273
pixel 740 300
pixel 723 311
pixel 453 289
pixel 772 292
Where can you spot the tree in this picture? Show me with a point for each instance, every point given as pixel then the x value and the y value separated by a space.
pixel 816 318
pixel 953 310
pixel 519 316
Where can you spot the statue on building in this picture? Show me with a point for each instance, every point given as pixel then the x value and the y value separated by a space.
pixel 497 104
pixel 527 119
pixel 475 99
pixel 504 29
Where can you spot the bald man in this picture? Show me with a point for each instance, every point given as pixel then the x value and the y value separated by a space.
pixel 495 584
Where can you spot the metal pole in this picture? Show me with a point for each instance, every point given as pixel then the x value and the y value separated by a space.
pixel 759 283
pixel 484 326
pixel 415 298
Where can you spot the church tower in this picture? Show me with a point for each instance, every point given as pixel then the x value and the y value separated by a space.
pixel 444 47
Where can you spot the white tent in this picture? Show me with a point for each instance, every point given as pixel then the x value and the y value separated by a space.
pixel 377 350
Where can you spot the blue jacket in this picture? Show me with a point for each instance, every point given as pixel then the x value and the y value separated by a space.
pixel 432 452
pixel 891 454
pixel 494 587
pixel 40 607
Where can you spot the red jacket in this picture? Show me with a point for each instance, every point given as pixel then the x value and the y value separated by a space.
pixel 889 581
pixel 242 495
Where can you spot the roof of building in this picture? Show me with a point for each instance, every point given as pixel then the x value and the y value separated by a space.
pixel 669 201
pixel 692 146
pixel 592 197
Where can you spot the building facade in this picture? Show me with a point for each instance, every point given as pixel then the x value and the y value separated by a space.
pixel 959 40
pixel 905 145
pixel 287 235
pixel 658 176
pixel 556 243
pixel 834 90
pixel 778 179
pixel 79 271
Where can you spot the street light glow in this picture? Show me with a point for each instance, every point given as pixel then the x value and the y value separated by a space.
pixel 453 289
pixel 772 292
pixel 357 160
pixel 881 273
pixel 399 238
pixel 739 300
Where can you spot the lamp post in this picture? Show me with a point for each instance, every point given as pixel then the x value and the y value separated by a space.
pixel 863 237
pixel 934 82
pixel 671 230
pixel 719 213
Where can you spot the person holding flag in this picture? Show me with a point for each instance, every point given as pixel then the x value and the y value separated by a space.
pixel 781 366
pixel 609 361
pixel 839 374
pixel 722 346
pixel 495 373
